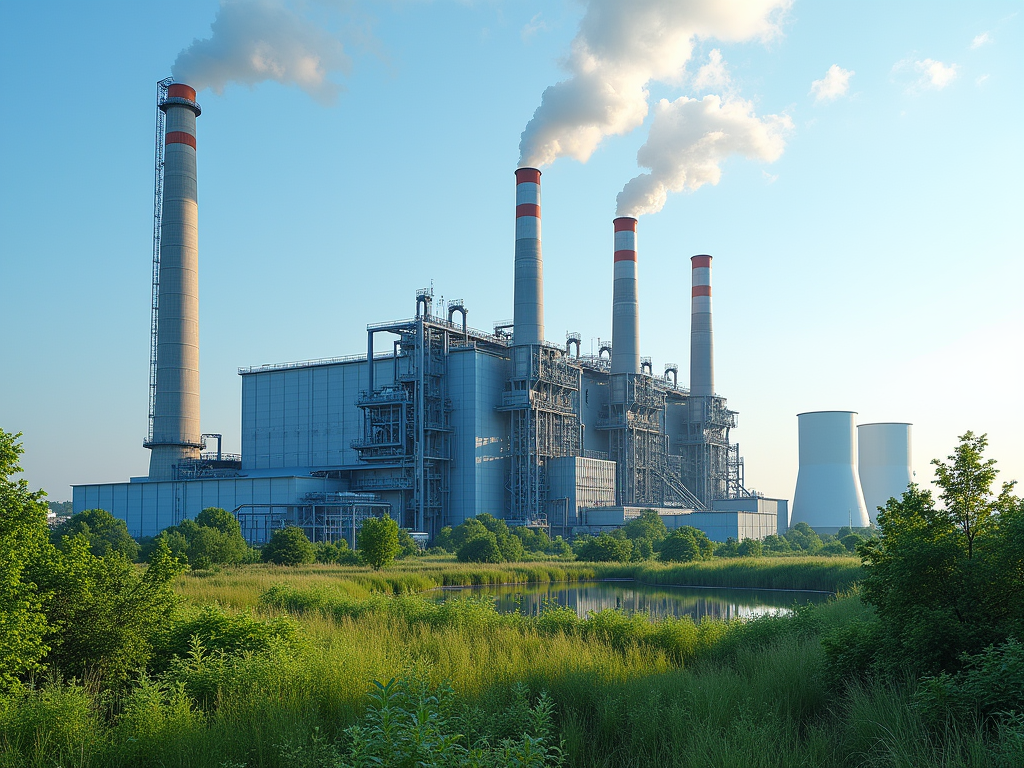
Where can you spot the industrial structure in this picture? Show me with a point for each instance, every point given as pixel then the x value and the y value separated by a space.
pixel 437 422
pixel 883 463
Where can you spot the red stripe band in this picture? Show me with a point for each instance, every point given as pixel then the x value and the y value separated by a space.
pixel 625 224
pixel 701 290
pixel 527 209
pixel 625 256
pixel 181 91
pixel 700 261
pixel 524 175
pixel 180 137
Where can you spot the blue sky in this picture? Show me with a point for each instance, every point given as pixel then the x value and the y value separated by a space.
pixel 872 263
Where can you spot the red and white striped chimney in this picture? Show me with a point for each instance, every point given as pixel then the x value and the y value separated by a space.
pixel 702 346
pixel 528 301
pixel 625 308
pixel 176 432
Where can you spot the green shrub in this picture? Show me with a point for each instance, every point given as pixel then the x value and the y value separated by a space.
pixel 105 533
pixel 481 549
pixel 378 542
pixel 289 546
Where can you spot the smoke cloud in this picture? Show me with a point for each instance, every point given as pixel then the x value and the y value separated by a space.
pixel 256 40
pixel 619 48
pixel 689 138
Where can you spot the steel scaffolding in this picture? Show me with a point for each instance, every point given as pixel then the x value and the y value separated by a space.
pixel 542 398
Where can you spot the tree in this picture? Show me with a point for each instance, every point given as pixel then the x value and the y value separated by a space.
pixel 378 542
pixel 444 540
pixel 289 546
pixel 407 546
pixel 221 519
pixel 946 581
pixel 481 549
pixel 336 552
pixel 68 609
pixel 23 536
pixel 750 548
pixel 965 484
pixel 605 548
pixel 680 546
pixel 648 525
pixel 104 532
pixel 802 537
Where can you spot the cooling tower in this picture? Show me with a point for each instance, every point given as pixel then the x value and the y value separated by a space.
pixel 528 308
pixel 625 320
pixel 883 457
pixel 702 344
pixel 176 433
pixel 828 494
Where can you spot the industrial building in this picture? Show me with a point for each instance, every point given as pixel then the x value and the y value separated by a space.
pixel 847 473
pixel 437 421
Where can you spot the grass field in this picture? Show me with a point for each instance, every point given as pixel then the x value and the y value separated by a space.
pixel 624 691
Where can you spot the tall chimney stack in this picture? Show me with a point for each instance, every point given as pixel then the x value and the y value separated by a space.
pixel 528 309
pixel 176 433
pixel 625 310
pixel 702 345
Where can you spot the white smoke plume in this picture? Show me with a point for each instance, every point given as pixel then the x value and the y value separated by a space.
pixel 256 40
pixel 619 48
pixel 689 138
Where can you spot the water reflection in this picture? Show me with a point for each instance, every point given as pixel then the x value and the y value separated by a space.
pixel 631 597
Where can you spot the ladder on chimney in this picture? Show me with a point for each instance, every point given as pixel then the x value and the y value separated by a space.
pixel 158 212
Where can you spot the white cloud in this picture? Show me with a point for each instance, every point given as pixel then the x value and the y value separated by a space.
pixel 689 139
pixel 931 74
pixel 981 79
pixel 619 48
pixel 979 40
pixel 714 74
pixel 533 27
pixel 935 73
pixel 834 84
pixel 256 40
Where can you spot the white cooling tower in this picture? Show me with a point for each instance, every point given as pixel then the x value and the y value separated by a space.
pixel 828 494
pixel 883 457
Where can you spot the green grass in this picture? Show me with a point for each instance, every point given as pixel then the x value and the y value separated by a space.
pixel 627 691
pixel 242 586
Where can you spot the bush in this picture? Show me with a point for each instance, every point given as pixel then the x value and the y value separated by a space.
pixel 685 545
pixel 336 552
pixel 378 542
pixel 289 546
pixel 604 548
pixel 483 549
pixel 104 533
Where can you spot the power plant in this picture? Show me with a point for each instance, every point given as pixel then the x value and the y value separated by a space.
pixel 437 421
pixel 846 474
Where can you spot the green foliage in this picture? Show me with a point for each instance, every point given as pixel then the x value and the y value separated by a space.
pixel 603 548
pixel 289 546
pixel 407 546
pixel 336 552
pixel 483 548
pixel 648 525
pixel 686 544
pixel 104 532
pixel 946 581
pixel 378 542
pixel 750 548
pixel 23 538
pixel 773 544
pixel 103 612
pixel 444 540
pixel 213 538
pixel 801 537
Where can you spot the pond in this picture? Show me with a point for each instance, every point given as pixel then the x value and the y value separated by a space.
pixel 632 597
